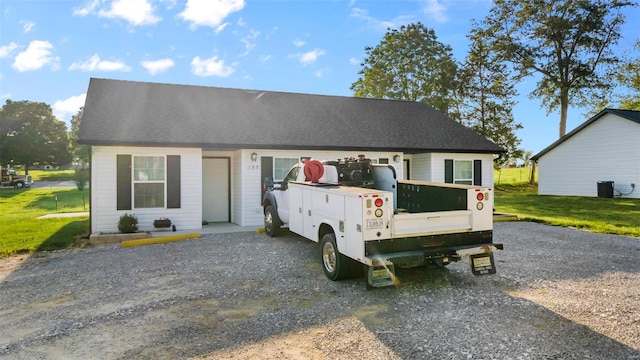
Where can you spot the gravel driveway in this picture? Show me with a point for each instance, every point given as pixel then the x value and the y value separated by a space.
pixel 559 294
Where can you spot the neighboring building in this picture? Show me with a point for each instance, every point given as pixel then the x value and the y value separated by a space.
pixel 199 154
pixel 601 157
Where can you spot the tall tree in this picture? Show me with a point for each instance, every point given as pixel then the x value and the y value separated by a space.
pixel 629 77
pixel 567 43
pixel 409 64
pixel 486 97
pixel 30 133
pixel 80 153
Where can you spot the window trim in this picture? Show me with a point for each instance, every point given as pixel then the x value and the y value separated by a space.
pixel 286 171
pixel 462 181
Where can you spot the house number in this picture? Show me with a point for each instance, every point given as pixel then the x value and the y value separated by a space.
pixel 253 167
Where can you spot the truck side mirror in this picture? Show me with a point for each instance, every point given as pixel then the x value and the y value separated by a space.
pixel 268 183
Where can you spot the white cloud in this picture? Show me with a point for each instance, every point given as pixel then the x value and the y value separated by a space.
pixel 6 50
pixel 36 56
pixel 89 8
pixel 157 66
pixel 377 24
pixel 209 12
pixel 210 67
pixel 27 26
pixel 298 42
pixel 309 57
pixel 249 42
pixel 436 11
pixel 65 109
pixel 354 61
pixel 265 58
pixel 136 12
pixel 95 64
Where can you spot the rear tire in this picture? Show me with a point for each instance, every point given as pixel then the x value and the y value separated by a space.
pixel 271 222
pixel 335 265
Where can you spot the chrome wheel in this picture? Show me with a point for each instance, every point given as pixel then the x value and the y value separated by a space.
pixel 329 257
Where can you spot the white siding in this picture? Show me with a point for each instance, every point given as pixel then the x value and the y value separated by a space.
pixel 105 217
pixel 606 150
pixel 420 167
pixel 438 166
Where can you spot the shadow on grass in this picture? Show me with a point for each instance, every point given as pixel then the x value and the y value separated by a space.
pixel 66 236
pixel 59 200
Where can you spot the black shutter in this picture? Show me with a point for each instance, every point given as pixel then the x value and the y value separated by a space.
pixel 123 182
pixel 173 182
pixel 477 172
pixel 448 171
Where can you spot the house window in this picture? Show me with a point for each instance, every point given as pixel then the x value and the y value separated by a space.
pixel 463 172
pixel 281 167
pixel 148 182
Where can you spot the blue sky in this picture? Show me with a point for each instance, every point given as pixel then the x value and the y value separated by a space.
pixel 50 49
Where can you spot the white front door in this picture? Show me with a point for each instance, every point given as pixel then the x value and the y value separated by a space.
pixel 215 190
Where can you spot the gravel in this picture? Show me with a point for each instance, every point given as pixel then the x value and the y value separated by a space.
pixel 559 293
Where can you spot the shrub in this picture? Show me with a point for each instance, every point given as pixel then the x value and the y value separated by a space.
pixel 82 177
pixel 128 224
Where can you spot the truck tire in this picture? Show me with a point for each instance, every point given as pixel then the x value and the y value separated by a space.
pixel 335 265
pixel 19 185
pixel 271 222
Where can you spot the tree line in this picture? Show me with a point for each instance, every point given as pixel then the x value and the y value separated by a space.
pixel 567 46
pixel 30 134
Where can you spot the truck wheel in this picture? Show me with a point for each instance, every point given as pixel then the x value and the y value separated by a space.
pixel 335 265
pixel 19 185
pixel 271 226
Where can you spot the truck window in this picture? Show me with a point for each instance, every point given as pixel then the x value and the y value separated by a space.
pixel 292 175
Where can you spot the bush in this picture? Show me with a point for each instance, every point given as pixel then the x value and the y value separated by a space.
pixel 81 177
pixel 128 224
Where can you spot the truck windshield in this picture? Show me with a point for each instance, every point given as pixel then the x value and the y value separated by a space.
pixel 293 174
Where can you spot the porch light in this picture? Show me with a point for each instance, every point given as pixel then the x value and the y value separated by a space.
pixel 254 156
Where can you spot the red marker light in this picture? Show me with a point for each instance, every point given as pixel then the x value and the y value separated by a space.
pixel 480 196
pixel 379 202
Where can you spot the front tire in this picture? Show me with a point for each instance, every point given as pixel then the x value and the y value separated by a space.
pixel 334 264
pixel 19 185
pixel 271 222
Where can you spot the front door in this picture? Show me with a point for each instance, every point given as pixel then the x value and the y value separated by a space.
pixel 215 189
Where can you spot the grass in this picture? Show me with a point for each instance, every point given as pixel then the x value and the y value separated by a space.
pixel 513 195
pixel 23 232
pixel 51 175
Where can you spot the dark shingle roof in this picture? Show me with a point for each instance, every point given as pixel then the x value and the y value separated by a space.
pixel 633 115
pixel 151 114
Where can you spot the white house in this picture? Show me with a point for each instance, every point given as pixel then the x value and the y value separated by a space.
pixel 197 154
pixel 601 157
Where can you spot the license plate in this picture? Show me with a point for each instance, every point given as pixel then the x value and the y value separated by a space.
pixel 374 224
pixel 380 274
pixel 481 262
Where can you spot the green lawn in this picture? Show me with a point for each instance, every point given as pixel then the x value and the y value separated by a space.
pixel 51 175
pixel 23 232
pixel 609 216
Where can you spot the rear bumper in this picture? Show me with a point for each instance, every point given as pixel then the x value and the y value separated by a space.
pixel 431 256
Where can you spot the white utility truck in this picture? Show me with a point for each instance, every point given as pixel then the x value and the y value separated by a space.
pixel 361 214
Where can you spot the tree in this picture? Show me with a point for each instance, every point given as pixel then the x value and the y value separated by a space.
pixel 81 153
pixel 486 97
pixel 629 77
pixel 567 43
pixel 30 133
pixel 409 64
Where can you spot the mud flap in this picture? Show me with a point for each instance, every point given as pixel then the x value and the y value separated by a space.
pixel 482 264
